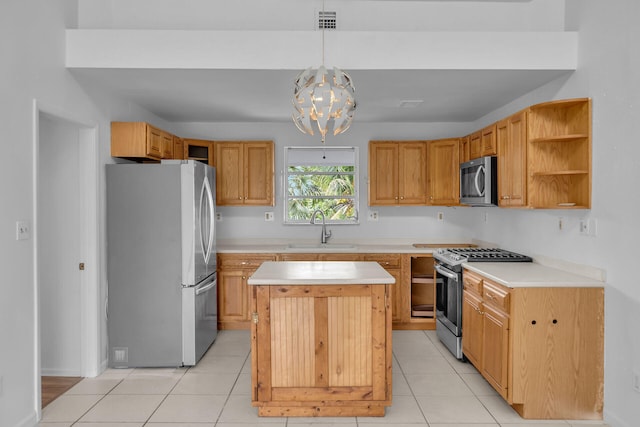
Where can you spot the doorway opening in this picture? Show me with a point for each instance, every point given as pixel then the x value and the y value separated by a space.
pixel 67 291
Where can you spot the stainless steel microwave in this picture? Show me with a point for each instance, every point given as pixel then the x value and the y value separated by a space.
pixel 478 182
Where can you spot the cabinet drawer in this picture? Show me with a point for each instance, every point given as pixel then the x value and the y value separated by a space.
pixel 385 260
pixel 243 260
pixel 496 295
pixel 472 282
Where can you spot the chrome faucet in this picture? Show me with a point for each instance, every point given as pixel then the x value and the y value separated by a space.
pixel 324 234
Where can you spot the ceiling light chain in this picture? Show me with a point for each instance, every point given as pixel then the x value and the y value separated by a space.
pixel 325 97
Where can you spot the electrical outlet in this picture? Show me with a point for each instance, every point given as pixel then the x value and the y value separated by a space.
pixel 373 215
pixel 268 216
pixel 440 216
pixel 560 223
pixel 636 381
pixel 588 227
pixel 486 217
pixel 218 216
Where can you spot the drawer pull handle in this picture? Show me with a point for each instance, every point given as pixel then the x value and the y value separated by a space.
pixel 491 297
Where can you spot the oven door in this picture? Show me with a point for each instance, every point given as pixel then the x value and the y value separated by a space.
pixel 449 299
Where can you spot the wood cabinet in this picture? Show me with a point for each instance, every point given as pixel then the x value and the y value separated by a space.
pixel 139 141
pixel 464 149
pixel 559 154
pixel 488 146
pixel 540 348
pixel 397 173
pixel 199 149
pixel 392 263
pixel 244 173
pixel 511 136
pixel 443 177
pixel 475 145
pixel 233 292
pixel 178 148
pixel 321 350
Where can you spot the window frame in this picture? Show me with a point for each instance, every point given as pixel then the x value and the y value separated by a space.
pixel 356 194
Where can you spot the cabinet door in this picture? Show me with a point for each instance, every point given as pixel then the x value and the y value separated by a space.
pixel 229 173
pixel 154 142
pixel 475 145
pixel 383 173
pixel 488 142
pixel 412 174
pixel 167 145
pixel 232 296
pixel 178 148
pixel 464 149
pixel 316 344
pixel 472 325
pixel 258 173
pixel 495 349
pixel 443 171
pixel 511 134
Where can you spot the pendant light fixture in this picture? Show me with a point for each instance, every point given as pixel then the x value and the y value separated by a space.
pixel 323 98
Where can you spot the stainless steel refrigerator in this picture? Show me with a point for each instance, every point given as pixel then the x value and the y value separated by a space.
pixel 161 272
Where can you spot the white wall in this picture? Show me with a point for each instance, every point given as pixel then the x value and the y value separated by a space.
pixel 609 60
pixel 32 48
pixel 418 223
pixel 357 15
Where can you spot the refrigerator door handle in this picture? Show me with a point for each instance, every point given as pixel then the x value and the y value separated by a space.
pixel 204 289
pixel 206 196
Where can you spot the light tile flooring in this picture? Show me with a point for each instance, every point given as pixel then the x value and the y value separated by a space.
pixel 430 388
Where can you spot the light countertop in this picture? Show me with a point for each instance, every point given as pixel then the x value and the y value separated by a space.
pixel 386 247
pixel 530 274
pixel 320 273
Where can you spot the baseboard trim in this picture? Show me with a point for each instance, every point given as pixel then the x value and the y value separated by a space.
pixel 28 421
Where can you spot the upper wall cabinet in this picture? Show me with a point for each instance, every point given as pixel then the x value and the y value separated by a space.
pixel 559 154
pixel 139 140
pixel 443 172
pixel 511 137
pixel 199 149
pixel 397 173
pixel 488 146
pixel 244 173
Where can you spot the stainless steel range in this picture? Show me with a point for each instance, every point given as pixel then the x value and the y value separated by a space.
pixel 448 266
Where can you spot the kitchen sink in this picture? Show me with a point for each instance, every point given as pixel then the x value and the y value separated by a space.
pixel 326 247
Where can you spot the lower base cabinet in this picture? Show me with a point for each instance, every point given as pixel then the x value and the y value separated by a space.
pixel 542 349
pixel 321 350
pixel 235 268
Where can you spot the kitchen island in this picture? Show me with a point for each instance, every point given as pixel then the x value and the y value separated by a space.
pixel 321 338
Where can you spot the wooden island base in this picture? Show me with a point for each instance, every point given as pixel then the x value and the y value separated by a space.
pixel 321 350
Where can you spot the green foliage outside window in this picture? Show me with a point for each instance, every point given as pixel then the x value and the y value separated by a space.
pixel 330 189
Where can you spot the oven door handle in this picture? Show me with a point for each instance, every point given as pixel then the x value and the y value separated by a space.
pixel 447 273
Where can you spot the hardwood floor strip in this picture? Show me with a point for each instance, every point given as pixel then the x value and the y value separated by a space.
pixel 53 387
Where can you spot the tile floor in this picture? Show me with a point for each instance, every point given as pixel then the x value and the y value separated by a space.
pixel 430 388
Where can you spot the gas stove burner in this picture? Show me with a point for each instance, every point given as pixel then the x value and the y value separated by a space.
pixel 457 256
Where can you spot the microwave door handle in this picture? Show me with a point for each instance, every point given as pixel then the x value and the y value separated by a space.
pixel 477 181
pixel 446 273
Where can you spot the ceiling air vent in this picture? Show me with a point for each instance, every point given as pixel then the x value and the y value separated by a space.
pixel 326 20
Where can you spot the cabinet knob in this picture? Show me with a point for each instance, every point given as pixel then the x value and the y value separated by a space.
pixel 401 197
pixel 505 198
pixel 396 197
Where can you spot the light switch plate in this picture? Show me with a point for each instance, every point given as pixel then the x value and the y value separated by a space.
pixel 23 230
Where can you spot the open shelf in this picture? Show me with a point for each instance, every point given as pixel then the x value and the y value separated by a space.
pixel 561 138
pixel 423 288
pixel 559 154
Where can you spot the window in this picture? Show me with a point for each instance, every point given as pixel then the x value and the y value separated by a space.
pixel 321 178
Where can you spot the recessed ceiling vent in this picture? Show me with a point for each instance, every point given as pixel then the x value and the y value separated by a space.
pixel 326 20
